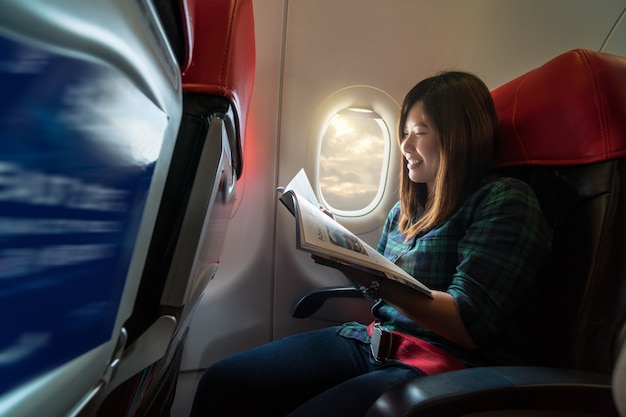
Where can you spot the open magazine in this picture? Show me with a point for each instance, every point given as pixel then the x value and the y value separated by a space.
pixel 319 234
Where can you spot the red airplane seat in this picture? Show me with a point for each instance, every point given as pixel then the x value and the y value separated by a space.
pixel 223 66
pixel 566 112
pixel 563 131
pixel 215 47
pixel 563 125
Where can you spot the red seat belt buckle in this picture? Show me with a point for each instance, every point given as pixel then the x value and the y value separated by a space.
pixel 380 343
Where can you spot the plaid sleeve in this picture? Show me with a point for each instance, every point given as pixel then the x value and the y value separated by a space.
pixel 499 258
pixel 390 222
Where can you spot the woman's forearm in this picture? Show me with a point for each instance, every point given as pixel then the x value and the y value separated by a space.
pixel 439 314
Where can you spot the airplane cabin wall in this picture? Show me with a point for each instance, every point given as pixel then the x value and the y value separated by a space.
pixel 306 51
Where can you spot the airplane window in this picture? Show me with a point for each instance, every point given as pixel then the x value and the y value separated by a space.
pixel 353 161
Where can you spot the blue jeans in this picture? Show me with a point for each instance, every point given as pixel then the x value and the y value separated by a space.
pixel 313 374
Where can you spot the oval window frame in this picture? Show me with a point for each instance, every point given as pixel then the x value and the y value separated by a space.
pixel 381 103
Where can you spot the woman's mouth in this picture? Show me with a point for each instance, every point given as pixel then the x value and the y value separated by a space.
pixel 412 163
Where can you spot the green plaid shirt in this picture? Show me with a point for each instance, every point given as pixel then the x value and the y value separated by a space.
pixel 487 256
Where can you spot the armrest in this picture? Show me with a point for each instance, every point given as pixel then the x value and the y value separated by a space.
pixel 310 302
pixel 498 388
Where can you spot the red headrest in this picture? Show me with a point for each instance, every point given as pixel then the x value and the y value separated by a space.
pixel 221 54
pixel 571 110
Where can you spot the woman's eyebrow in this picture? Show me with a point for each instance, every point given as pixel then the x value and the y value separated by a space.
pixel 418 124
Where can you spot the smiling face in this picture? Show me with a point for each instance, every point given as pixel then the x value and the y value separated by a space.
pixel 420 147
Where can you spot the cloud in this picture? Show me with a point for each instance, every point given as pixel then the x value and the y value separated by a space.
pixel 351 161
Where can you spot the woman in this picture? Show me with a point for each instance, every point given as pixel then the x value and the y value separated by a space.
pixel 476 240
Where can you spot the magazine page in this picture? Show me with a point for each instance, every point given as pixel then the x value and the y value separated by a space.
pixel 298 185
pixel 301 185
pixel 320 234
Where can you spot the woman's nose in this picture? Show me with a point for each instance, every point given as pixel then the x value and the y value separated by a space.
pixel 408 143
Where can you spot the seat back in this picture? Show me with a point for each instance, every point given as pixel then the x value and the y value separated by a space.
pixel 563 131
pixel 90 110
pixel 214 43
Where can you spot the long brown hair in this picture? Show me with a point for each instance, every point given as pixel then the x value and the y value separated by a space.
pixel 461 111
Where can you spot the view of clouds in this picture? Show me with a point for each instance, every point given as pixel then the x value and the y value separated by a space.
pixel 351 161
